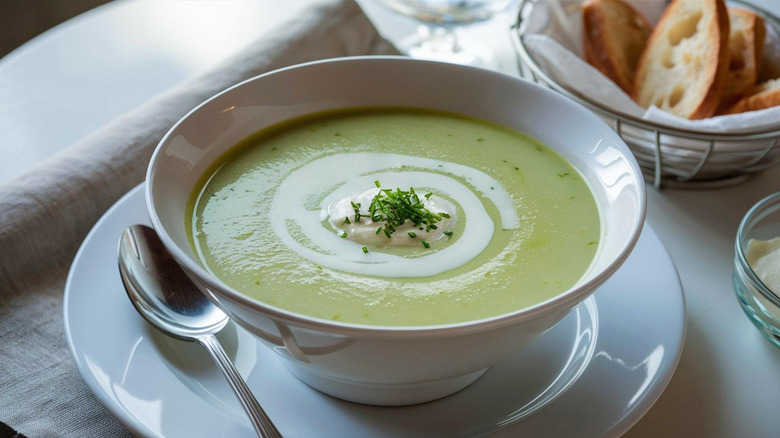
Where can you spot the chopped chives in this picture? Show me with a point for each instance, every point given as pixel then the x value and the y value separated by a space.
pixel 426 244
pixel 412 234
pixel 397 206
pixel 356 208
pixel 365 250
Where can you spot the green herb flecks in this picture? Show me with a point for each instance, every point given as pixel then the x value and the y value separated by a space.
pixel 356 208
pixel 395 207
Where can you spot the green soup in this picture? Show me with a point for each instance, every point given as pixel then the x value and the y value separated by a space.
pixel 524 225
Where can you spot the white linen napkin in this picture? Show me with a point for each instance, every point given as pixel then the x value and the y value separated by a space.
pixel 46 213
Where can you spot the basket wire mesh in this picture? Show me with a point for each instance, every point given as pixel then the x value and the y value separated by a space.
pixel 668 156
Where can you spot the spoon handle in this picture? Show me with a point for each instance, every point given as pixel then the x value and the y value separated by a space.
pixel 262 424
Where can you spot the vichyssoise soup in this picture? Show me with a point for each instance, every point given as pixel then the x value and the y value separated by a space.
pixel 394 217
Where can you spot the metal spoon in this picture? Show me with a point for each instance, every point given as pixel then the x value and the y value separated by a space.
pixel 165 296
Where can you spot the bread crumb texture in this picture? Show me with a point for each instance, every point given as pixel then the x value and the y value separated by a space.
pixel 684 65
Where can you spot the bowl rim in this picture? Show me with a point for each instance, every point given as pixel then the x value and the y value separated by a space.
pixel 421 332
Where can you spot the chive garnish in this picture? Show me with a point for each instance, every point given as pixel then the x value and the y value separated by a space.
pixel 395 207
pixel 344 235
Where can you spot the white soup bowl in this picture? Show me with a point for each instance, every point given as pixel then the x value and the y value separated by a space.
pixel 395 365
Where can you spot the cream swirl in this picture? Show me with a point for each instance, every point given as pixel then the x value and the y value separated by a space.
pixel 300 204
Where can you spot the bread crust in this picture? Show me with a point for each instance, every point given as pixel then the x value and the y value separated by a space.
pixel 614 36
pixel 746 46
pixel 697 94
pixel 765 95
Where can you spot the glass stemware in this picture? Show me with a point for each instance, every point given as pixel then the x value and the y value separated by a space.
pixel 437 37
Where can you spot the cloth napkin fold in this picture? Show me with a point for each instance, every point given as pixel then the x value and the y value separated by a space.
pixel 46 213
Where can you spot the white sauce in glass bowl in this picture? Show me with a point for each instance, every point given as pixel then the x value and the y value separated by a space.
pixel 763 256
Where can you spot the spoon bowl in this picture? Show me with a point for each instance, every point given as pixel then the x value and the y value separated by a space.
pixel 164 295
pixel 156 285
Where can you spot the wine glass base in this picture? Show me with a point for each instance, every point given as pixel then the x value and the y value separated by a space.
pixel 445 46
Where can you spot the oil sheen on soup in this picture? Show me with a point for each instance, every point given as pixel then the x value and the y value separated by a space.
pixel 306 216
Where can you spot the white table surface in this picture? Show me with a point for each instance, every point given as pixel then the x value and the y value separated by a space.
pixel 71 80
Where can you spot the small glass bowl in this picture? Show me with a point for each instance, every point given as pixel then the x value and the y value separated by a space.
pixel 762 305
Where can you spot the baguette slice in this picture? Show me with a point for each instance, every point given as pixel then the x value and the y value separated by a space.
pixel 746 46
pixel 683 67
pixel 615 35
pixel 763 96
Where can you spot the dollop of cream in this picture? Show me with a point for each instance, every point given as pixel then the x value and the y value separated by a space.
pixel 364 231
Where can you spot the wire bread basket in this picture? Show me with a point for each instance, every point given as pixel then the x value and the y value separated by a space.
pixel 668 156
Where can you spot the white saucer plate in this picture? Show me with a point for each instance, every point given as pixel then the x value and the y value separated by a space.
pixel 595 374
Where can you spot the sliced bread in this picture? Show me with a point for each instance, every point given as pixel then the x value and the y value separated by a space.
pixel 683 67
pixel 615 35
pixel 746 45
pixel 764 95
